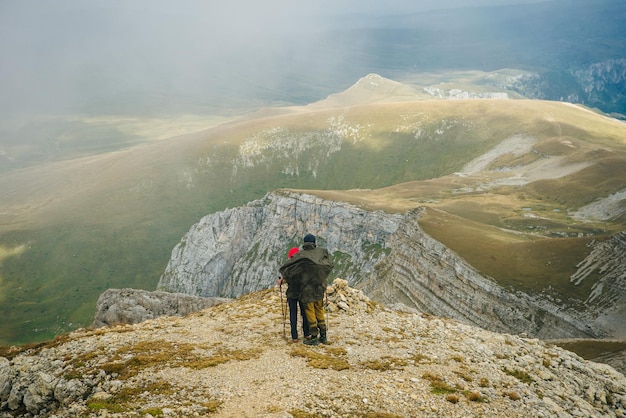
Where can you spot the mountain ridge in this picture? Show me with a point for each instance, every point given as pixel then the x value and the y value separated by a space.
pixel 71 230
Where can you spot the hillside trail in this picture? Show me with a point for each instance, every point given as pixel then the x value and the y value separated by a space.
pixel 289 378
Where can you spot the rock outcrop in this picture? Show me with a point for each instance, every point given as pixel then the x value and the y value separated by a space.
pixel 231 361
pixel 131 306
pixel 389 256
pixel 607 301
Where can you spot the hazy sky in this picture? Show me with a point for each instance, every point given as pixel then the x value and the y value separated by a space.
pixel 81 54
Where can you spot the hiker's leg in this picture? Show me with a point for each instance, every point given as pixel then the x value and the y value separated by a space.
pixel 293 317
pixel 305 322
pixel 320 315
pixel 321 321
pixel 309 311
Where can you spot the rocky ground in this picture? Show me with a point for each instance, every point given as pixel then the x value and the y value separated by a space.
pixel 236 360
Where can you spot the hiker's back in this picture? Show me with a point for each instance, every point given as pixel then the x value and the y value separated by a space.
pixel 315 266
pixel 319 256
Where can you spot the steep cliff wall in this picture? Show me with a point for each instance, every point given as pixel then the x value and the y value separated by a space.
pixel 607 301
pixel 388 256
pixel 240 250
pixel 424 273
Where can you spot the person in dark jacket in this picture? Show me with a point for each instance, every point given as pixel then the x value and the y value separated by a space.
pixel 310 268
pixel 293 295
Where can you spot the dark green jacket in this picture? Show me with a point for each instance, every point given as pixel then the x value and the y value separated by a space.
pixel 307 272
pixel 293 290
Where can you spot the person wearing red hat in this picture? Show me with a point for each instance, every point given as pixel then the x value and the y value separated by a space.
pixel 293 295
pixel 309 269
pixel 292 252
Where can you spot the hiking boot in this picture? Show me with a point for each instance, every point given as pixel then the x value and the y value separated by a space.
pixel 323 339
pixel 311 341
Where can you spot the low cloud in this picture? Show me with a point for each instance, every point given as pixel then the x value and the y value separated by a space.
pixel 119 56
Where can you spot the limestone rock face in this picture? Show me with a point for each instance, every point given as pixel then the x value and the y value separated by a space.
pixel 240 250
pixel 607 301
pixel 131 306
pixel 424 273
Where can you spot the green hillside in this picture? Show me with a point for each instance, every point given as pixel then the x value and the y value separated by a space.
pixel 71 229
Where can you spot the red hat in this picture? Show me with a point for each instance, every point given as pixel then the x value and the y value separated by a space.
pixel 292 252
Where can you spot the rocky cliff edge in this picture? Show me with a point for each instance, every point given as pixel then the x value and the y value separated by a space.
pixel 233 360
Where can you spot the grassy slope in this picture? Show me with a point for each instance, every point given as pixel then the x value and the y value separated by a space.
pixel 70 230
pixel 493 231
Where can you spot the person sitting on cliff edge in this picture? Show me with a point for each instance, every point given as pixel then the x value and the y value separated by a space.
pixel 309 270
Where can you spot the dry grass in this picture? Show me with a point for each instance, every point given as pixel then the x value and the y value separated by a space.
pixel 329 358
pixel 514 396
pixel 474 396
pixel 421 358
pixel 453 398
pixel 437 384
pixel 464 375
pixel 128 361
pixel 385 363
pixel 520 375
pixel 130 399
pixel 592 348
pixel 525 262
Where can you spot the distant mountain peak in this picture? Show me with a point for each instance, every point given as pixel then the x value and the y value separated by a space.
pixel 373 79
pixel 371 88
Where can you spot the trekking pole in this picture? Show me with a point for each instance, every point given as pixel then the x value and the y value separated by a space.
pixel 282 306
